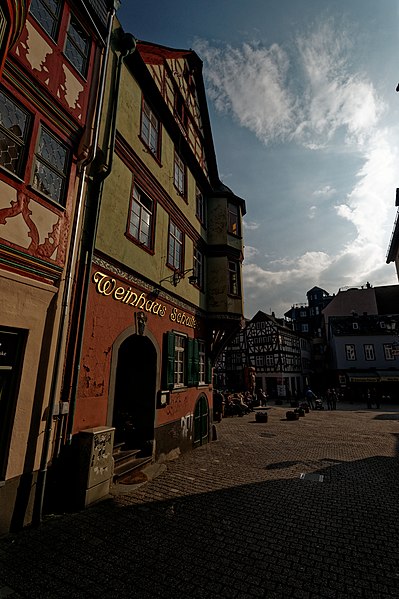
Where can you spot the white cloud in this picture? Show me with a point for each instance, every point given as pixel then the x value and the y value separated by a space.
pixel 250 225
pixel 250 252
pixel 252 84
pixel 331 106
pixel 325 192
pixel 249 83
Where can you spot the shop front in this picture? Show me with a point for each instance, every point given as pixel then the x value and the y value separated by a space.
pixel 145 370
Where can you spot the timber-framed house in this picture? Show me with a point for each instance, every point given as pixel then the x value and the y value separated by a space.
pixel 280 356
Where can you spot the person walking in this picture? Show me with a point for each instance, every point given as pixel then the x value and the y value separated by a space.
pixel 310 398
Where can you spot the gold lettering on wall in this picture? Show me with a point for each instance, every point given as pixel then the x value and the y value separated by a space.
pixel 106 285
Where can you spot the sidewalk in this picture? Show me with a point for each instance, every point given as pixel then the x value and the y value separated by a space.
pixel 305 510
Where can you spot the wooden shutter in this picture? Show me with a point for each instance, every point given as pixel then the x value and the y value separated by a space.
pixel 169 360
pixel 195 361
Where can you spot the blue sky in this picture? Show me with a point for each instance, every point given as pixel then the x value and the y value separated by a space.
pixel 305 120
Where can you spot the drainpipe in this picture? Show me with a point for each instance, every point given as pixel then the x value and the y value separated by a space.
pixel 67 293
pixel 126 45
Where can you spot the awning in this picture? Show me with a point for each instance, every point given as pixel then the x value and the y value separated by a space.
pixel 363 377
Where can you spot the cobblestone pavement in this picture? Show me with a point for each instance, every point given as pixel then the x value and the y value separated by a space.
pixel 304 510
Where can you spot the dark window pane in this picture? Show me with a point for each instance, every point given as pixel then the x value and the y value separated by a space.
pixel 46 12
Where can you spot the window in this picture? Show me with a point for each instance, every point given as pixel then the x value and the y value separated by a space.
pixel 269 360
pixel 77 46
pixel 186 362
pixel 47 13
pixel 388 351
pixel 14 130
pixel 201 363
pixel 179 176
pixel 200 205
pixel 175 247
pixel 369 351
pixel 150 129
pixel 259 361
pixel 232 218
pixel 355 325
pixel 302 313
pixel 233 278
pixel 141 217
pixel 199 267
pixel 180 109
pixel 179 371
pixel 350 352
pixel 50 167
pixel 305 328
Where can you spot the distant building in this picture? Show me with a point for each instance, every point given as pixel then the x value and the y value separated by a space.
pixel 281 358
pixel 362 327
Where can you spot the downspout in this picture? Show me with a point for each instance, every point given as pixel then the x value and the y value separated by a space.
pixel 126 44
pixel 66 298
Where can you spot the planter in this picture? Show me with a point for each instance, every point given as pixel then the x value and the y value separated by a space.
pixel 261 417
pixel 290 415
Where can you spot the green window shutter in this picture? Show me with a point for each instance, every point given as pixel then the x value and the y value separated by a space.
pixel 195 361
pixel 169 360
pixel 189 362
pixel 208 373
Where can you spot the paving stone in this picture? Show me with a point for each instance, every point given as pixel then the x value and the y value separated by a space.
pixel 234 520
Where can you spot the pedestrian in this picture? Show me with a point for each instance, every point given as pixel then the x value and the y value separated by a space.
pixel 261 396
pixel 310 398
pixel 329 399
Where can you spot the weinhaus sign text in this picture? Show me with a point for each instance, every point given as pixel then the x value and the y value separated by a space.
pixel 106 285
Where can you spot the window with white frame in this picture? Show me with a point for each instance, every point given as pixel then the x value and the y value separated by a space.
pixel 175 247
pixel 369 353
pixel 259 361
pixel 180 357
pixel 179 175
pixel 50 167
pixel 150 129
pixel 269 360
pixel 141 217
pixel 388 351
pixel 200 205
pixel 199 267
pixel 350 352
pixel 77 46
pixel 201 363
pixel 47 14
pixel 233 287
pixel 14 132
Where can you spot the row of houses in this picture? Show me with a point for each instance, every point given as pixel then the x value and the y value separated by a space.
pixel 348 341
pixel 120 255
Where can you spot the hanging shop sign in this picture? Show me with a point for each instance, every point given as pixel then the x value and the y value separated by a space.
pixel 106 285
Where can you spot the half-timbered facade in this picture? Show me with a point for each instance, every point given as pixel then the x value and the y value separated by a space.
pixel 47 103
pixel 165 289
pixel 280 356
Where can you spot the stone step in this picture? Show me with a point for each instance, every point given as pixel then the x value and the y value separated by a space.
pixel 126 469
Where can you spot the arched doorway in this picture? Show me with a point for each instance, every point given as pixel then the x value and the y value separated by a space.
pixel 134 397
pixel 201 421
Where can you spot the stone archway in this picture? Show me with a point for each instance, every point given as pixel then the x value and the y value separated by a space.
pixel 134 394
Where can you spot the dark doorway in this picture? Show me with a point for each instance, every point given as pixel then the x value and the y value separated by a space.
pixel 134 399
pixel 201 421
